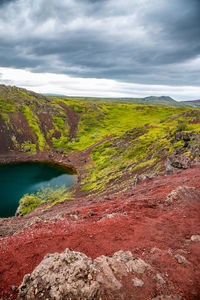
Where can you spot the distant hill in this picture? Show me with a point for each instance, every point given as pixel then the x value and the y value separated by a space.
pixel 164 100
pixel 193 103
pixel 150 100
pixel 161 98
pixel 54 95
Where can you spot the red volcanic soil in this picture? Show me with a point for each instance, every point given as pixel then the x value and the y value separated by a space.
pixel 141 219
pixel 73 119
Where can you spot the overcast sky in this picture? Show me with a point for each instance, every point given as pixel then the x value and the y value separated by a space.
pixel 102 47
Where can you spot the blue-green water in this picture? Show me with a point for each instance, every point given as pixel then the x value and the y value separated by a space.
pixel 19 179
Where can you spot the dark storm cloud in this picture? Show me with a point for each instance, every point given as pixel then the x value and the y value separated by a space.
pixel 154 42
pixel 2 2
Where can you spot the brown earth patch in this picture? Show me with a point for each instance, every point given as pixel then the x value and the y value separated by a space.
pixel 20 128
pixel 73 119
pixel 46 124
pixel 5 140
pixel 17 129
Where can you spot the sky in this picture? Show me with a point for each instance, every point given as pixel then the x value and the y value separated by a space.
pixel 105 48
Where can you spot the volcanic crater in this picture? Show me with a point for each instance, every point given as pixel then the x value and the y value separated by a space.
pixel 130 229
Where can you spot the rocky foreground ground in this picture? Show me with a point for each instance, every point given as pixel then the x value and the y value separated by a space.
pixel 143 243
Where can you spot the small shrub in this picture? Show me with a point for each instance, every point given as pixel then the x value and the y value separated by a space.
pixel 46 194
pixel 179 144
pixel 182 127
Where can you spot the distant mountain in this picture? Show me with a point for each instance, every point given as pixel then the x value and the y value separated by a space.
pixel 163 100
pixel 54 95
pixel 196 101
pixel 154 100
pixel 193 103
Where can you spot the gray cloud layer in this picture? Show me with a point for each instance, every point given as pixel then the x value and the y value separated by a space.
pixel 141 41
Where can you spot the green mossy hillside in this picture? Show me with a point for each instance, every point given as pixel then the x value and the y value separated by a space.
pixel 142 150
pixel 99 120
pixel 34 107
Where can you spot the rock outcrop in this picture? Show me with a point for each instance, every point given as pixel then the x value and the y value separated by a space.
pixel 183 193
pixel 73 274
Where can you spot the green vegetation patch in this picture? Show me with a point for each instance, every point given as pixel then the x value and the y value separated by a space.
pixel 6 107
pixel 61 124
pixel 46 194
pixel 29 148
pixel 34 125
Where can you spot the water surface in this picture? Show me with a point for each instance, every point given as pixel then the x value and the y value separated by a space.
pixel 19 179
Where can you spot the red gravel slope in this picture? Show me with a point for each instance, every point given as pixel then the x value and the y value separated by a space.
pixel 143 220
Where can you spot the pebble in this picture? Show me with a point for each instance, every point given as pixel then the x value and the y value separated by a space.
pixel 138 282
pixel 137 265
pixel 159 278
pixel 195 238
pixel 181 259
pixel 109 216
pixel 92 213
